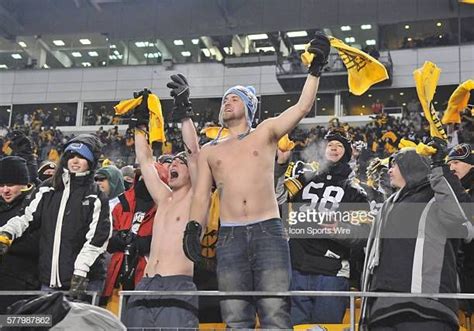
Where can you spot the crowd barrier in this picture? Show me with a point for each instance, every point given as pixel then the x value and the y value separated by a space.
pixel 351 294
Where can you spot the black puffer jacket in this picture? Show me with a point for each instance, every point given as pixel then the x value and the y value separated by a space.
pixel 73 217
pixel 19 268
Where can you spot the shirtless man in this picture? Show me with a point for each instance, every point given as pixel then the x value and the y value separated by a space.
pixel 167 267
pixel 252 249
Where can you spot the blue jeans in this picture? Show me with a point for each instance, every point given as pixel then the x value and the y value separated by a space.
pixel 254 257
pixel 318 309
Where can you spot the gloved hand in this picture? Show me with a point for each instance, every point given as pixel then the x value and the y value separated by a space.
pixel 192 241
pixel 438 159
pixel 78 287
pixel 141 114
pixel 320 47
pixel 20 144
pixel 119 240
pixel 5 242
pixel 180 92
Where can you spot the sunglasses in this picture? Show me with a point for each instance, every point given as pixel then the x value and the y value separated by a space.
pixel 99 179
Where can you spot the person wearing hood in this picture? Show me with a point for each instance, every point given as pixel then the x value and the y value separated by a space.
pixel 413 245
pixel 322 264
pixel 19 268
pixel 131 238
pixel 72 215
pixel 461 161
pixel 110 181
pixel 128 173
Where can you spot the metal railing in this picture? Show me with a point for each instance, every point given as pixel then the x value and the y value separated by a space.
pixel 351 294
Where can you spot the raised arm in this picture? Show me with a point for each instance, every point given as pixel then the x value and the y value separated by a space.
pixel 183 112
pixel 158 190
pixel 284 123
pixel 202 190
pixel 191 143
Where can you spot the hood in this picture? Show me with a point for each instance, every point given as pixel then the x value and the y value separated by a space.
pixel 114 175
pixel 413 167
pixel 91 141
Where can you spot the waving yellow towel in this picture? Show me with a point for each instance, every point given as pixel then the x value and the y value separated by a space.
pixel 458 102
pixel 362 69
pixel 426 80
pixel 156 124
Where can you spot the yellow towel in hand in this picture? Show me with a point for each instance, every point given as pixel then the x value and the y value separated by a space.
pixel 362 69
pixel 421 148
pixel 285 144
pixel 208 243
pixel 458 102
pixel 212 131
pixel 156 124
pixel 426 80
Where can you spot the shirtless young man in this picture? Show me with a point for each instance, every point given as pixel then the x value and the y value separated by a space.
pixel 167 267
pixel 252 249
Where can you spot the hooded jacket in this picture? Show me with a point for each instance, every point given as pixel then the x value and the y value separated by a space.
pixel 467 271
pixel 136 207
pixel 413 243
pixel 117 187
pixel 74 225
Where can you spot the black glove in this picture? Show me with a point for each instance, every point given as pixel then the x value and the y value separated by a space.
pixel 180 92
pixel 320 47
pixel 118 241
pixel 78 287
pixel 141 114
pixel 438 158
pixel 20 144
pixel 5 242
pixel 192 241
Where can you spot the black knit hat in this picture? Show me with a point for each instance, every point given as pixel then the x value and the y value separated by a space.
pixel 342 137
pixel 13 170
pixel 461 152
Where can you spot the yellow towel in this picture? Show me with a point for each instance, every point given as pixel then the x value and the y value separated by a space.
pixel 458 102
pixel 156 124
pixel 212 131
pixel 362 69
pixel 426 80
pixel 421 148
pixel 406 143
pixel 285 144
pixel 210 236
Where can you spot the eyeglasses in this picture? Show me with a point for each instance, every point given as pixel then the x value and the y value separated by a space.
pixel 99 179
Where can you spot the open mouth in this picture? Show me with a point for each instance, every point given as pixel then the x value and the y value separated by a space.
pixel 174 174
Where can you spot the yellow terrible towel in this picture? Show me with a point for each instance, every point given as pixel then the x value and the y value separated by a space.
pixel 362 69
pixel 156 124
pixel 458 102
pixel 426 80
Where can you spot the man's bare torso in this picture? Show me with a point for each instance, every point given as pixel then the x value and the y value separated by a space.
pixel 243 172
pixel 166 253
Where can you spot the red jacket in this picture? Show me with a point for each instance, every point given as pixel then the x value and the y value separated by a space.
pixel 122 220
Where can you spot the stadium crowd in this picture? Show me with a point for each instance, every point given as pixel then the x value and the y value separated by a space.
pixel 174 208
